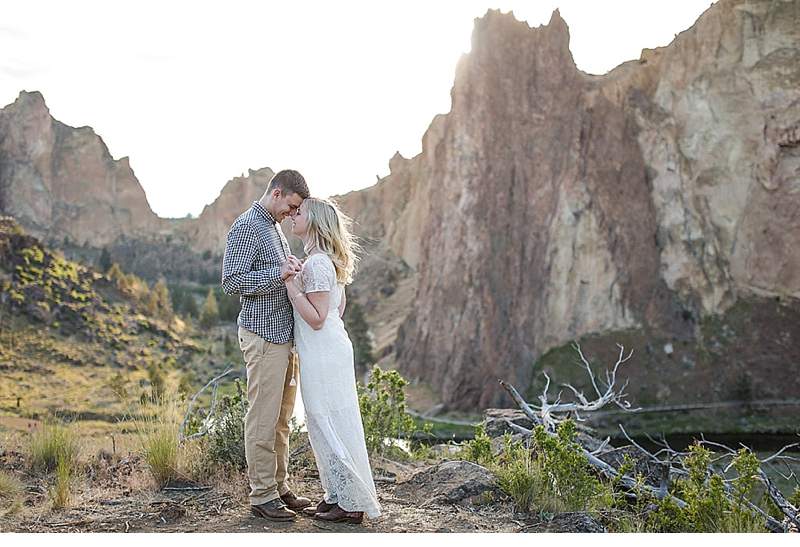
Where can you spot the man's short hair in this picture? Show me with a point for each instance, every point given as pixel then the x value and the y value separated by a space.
pixel 290 181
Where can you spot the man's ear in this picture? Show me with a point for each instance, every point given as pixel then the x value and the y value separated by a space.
pixel 276 193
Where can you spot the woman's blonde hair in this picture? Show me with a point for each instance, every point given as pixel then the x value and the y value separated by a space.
pixel 329 231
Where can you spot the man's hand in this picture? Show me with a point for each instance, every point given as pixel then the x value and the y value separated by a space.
pixel 292 266
pixel 297 262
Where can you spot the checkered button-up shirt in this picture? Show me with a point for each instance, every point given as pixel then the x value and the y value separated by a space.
pixel 254 253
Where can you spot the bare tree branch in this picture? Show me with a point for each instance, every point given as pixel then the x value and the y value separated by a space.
pixel 214 381
pixel 550 414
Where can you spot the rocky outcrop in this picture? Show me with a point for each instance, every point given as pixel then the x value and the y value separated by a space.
pixel 61 182
pixel 549 204
pixel 579 522
pixel 208 231
pixel 457 481
pixel 62 185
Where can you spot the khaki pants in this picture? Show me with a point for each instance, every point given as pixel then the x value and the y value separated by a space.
pixel 266 425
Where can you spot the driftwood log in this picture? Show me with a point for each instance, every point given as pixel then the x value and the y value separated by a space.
pixel 549 414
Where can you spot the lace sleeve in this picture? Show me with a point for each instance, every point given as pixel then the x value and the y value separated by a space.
pixel 318 274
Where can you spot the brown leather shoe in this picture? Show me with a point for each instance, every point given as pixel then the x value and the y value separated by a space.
pixel 295 502
pixel 337 514
pixel 273 510
pixel 321 507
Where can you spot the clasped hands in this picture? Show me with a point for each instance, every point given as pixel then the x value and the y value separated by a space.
pixel 289 270
pixel 291 267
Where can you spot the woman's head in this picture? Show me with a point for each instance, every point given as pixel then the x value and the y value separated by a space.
pixel 323 226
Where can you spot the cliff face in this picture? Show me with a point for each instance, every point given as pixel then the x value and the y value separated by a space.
pixel 550 204
pixel 62 185
pixel 208 231
pixel 61 182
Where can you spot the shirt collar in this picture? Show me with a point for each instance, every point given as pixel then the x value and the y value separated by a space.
pixel 258 208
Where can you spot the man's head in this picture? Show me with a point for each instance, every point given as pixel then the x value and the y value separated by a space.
pixel 285 193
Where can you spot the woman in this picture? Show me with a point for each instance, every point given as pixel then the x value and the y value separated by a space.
pixel 327 374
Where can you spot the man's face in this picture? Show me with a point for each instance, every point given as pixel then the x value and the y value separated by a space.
pixel 286 204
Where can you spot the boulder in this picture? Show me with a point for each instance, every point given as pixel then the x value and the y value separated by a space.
pixel 458 482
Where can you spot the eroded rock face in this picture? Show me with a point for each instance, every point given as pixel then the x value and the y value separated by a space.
pixel 61 182
pixel 208 231
pixel 63 186
pixel 554 204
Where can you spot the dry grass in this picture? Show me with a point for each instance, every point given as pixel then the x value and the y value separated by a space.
pixel 167 459
pixel 60 492
pixel 11 490
pixel 51 444
pixel 158 440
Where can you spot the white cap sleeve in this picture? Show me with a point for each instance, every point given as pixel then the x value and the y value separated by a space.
pixel 318 275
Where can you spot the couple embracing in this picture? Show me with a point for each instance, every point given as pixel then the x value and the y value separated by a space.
pixel 288 302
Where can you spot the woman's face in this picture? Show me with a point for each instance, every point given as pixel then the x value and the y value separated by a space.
pixel 300 221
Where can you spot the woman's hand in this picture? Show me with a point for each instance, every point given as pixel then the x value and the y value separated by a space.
pixel 293 286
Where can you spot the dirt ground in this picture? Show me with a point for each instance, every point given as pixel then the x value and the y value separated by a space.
pixel 121 499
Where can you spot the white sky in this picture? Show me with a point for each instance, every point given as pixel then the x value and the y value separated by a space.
pixel 196 93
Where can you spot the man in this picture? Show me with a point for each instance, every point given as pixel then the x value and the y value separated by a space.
pixel 256 264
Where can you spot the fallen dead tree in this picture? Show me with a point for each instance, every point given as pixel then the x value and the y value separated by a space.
pixel 548 414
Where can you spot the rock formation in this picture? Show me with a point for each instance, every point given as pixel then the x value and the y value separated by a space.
pixel 62 185
pixel 208 231
pixel 549 204
pixel 61 182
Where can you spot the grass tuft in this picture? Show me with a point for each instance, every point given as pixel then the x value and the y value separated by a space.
pixel 158 441
pixel 60 493
pixel 51 444
pixel 10 493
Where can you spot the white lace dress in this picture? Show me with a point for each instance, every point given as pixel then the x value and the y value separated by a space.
pixel 328 388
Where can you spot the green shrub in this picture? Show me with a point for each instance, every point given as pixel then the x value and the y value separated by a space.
pixel 51 444
pixel 708 509
pixel 667 516
pixel 479 448
pixel 741 518
pixel 226 435
pixel 383 410
pixel 421 451
pixel 518 476
pixel 551 476
pixel 564 471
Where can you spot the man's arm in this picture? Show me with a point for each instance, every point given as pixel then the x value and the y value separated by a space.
pixel 237 274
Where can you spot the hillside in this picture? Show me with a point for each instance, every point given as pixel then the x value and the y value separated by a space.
pixel 83 345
